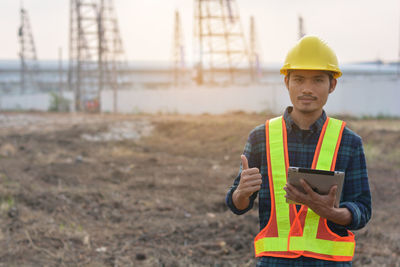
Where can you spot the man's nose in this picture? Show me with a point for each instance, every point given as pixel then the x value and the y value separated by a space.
pixel 307 87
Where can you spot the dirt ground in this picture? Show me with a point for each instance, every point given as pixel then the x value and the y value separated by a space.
pixel 148 190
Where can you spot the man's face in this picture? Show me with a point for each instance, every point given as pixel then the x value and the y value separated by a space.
pixel 309 89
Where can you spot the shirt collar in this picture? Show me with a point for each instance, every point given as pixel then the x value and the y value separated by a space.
pixel 315 127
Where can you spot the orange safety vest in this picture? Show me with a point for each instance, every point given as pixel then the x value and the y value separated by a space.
pixel 291 234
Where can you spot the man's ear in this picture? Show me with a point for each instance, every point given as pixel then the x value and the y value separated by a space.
pixel 287 81
pixel 333 85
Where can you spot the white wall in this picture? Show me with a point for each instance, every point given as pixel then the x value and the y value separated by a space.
pixel 371 96
pixel 356 95
pixel 29 101
pixel 366 98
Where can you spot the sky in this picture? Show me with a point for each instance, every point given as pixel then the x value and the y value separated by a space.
pixel 358 30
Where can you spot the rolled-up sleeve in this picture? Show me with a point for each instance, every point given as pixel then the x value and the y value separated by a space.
pixel 229 200
pixel 356 192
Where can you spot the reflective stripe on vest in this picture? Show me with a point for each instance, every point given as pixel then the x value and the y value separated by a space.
pixel 283 236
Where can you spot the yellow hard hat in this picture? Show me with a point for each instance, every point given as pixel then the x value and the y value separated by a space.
pixel 311 53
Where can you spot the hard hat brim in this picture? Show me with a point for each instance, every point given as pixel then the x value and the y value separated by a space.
pixel 336 73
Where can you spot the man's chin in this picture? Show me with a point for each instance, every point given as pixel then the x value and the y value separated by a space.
pixel 307 110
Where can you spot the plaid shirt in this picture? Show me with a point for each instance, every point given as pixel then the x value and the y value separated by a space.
pixel 356 196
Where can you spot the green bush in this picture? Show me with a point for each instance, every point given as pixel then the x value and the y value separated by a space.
pixel 58 103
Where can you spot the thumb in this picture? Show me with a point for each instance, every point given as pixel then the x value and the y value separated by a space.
pixel 245 163
pixel 332 191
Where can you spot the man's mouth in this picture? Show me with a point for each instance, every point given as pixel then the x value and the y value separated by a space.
pixel 307 97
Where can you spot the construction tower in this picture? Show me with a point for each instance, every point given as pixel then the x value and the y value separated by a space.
pixel 301 27
pixel 255 57
pixel 29 66
pixel 398 60
pixel 96 54
pixel 220 43
pixel 178 53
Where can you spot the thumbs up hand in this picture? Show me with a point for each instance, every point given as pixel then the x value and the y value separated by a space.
pixel 250 180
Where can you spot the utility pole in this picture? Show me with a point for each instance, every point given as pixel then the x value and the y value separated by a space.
pixel 255 68
pixel 60 74
pixel 398 60
pixel 301 27
pixel 178 52
pixel 220 41
pixel 27 54
pixel 96 54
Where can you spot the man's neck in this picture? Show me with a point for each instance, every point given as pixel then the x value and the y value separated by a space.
pixel 305 120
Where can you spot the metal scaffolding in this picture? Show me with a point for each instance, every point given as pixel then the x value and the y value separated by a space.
pixel 178 53
pixel 96 54
pixel 220 43
pixel 29 66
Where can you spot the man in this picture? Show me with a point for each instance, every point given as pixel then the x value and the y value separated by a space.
pixel 316 233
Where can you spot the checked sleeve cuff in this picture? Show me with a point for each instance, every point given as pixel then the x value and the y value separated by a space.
pixel 356 215
pixel 232 207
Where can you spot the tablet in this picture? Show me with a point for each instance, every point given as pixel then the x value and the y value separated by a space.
pixel 319 180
